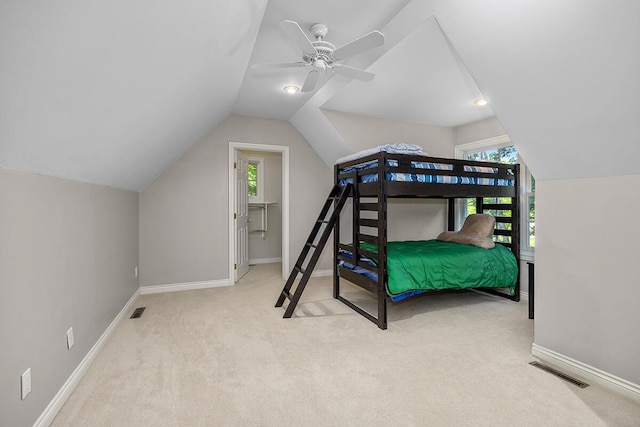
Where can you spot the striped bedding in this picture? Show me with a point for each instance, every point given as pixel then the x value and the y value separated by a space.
pixel 431 178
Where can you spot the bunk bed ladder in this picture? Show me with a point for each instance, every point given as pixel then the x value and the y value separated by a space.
pixel 337 197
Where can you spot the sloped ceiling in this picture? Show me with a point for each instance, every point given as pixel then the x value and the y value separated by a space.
pixel 113 92
pixel 560 77
pixel 419 80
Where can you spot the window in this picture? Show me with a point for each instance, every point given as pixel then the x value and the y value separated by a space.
pixel 529 210
pixel 256 180
pixel 252 170
pixel 501 150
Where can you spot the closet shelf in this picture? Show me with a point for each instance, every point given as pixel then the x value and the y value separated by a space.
pixel 264 207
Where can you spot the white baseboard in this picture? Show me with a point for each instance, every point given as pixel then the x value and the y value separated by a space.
pixel 589 373
pixel 524 296
pixel 67 388
pixel 265 260
pixel 189 286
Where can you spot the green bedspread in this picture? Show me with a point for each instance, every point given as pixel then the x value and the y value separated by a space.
pixel 436 265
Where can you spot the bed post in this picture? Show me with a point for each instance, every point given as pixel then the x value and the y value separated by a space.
pixel 451 214
pixel 382 241
pixel 515 227
pixel 336 243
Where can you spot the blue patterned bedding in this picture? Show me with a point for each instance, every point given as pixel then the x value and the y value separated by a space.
pixel 428 178
pixel 371 275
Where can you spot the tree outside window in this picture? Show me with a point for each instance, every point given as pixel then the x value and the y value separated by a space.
pixel 253 179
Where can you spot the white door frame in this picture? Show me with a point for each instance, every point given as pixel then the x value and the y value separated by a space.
pixel 233 146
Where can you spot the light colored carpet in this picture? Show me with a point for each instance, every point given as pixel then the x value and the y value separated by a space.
pixel 225 357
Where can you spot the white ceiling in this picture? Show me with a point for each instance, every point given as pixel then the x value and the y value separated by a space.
pixel 261 93
pixel 113 92
pixel 419 79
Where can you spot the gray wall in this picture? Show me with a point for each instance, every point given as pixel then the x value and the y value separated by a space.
pixel 184 212
pixel 586 250
pixel 361 132
pixel 587 284
pixel 407 219
pixel 268 247
pixel 67 258
pixel 477 131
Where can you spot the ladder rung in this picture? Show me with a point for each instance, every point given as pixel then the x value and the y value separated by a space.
pixel 287 294
pixel 322 221
pixel 299 269
pixel 311 245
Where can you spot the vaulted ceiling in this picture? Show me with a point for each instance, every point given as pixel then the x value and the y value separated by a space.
pixel 113 92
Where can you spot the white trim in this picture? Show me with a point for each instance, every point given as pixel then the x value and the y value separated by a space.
pixel 188 286
pixel 524 296
pixel 527 256
pixel 67 388
pixel 233 146
pixel 495 142
pixel 265 260
pixel 587 372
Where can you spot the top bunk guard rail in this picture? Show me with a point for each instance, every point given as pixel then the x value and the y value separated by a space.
pixel 378 164
pixel 404 165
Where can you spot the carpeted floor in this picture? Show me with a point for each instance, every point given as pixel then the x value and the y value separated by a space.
pixel 225 357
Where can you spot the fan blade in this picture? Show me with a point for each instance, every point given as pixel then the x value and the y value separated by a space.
pixel 355 73
pixel 311 81
pixel 364 43
pixel 274 65
pixel 298 36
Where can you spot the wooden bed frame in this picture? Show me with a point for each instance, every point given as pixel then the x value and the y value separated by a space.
pixel 371 214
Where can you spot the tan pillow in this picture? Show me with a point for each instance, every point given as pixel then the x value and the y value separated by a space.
pixel 476 230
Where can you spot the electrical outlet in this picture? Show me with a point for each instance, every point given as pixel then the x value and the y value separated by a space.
pixel 70 338
pixel 135 272
pixel 25 382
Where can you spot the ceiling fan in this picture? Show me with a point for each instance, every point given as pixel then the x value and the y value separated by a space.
pixel 323 56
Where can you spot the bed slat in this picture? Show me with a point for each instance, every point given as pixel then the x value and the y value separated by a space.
pixel 366 222
pixel 359 280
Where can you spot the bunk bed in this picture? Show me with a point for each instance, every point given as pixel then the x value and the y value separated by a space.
pixel 367 259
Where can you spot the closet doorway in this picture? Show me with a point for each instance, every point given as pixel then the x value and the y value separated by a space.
pixel 263 236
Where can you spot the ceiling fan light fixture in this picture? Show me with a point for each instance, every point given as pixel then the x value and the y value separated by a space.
pixel 321 55
pixel 482 101
pixel 320 63
pixel 291 89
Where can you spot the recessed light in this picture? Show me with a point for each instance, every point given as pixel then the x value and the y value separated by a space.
pixel 291 89
pixel 480 101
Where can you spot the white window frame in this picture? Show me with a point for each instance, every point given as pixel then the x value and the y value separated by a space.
pixel 526 252
pixel 259 162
